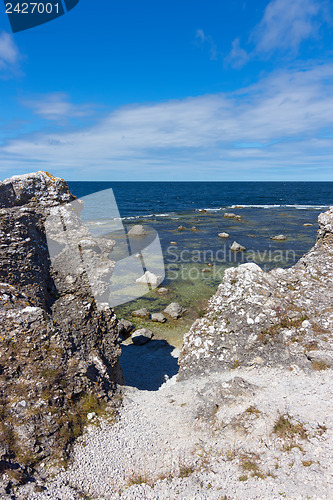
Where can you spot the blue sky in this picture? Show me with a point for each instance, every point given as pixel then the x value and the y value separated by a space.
pixel 171 90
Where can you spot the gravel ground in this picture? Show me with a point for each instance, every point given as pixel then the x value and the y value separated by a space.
pixel 208 438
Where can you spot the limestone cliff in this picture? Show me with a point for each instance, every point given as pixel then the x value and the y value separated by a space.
pixel 58 351
pixel 284 317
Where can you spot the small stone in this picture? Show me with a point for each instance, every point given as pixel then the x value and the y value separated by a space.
pixel 162 290
pixel 236 247
pixel 173 243
pixel 124 327
pixel 91 415
pixel 307 224
pixel 206 270
pixel 194 228
pixel 158 317
pixel 142 336
pixel 175 310
pixel 279 237
pixel 223 235
pixel 137 230
pixel 141 313
pixel 181 228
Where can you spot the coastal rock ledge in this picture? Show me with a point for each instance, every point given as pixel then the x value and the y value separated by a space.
pixel 58 352
pixel 280 318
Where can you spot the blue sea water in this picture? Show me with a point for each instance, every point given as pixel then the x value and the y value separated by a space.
pixel 146 198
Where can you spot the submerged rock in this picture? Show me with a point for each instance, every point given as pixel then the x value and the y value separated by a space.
pixel 282 317
pixel 162 290
pixel 223 235
pixel 57 347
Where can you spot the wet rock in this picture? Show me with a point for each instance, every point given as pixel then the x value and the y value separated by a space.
pixel 138 230
pixel 158 317
pixel 174 310
pixel 307 224
pixel 223 235
pixel 150 279
pixel 181 228
pixel 279 237
pixel 236 247
pixel 141 313
pixel 162 290
pixel 194 228
pixel 142 336
pixel 173 243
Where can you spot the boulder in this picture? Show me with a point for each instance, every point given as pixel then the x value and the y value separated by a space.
pixel 142 336
pixel 158 317
pixel 174 310
pixel 137 231
pixel 223 235
pixel 150 279
pixel 236 247
pixel 141 313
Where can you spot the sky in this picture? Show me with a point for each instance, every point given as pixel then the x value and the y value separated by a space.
pixel 184 90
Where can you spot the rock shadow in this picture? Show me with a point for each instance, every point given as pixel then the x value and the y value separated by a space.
pixel 145 367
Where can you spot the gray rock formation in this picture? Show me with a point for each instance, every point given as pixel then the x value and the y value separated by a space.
pixel 58 350
pixel 283 317
pixel 223 235
pixel 150 279
pixel 279 237
pixel 232 216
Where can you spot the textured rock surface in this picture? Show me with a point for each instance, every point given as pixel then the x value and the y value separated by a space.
pixel 278 318
pixel 174 310
pixel 58 350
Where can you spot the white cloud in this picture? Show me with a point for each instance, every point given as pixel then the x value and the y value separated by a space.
pixel 207 40
pixel 280 127
pixel 237 57
pixel 9 55
pixel 56 106
pixel 285 25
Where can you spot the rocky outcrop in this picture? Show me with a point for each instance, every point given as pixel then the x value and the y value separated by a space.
pixel 58 350
pixel 283 317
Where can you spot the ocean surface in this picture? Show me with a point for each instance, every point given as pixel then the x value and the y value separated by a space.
pixel 195 260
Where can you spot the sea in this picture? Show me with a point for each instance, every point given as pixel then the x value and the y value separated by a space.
pixel 195 258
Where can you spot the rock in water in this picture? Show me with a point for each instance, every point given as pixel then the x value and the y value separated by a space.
pixel 142 336
pixel 158 317
pixel 56 346
pixel 223 235
pixel 138 230
pixel 279 237
pixel 150 279
pixel 174 310
pixel 236 247
pixel 232 216
pixel 282 317
pixel 141 313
